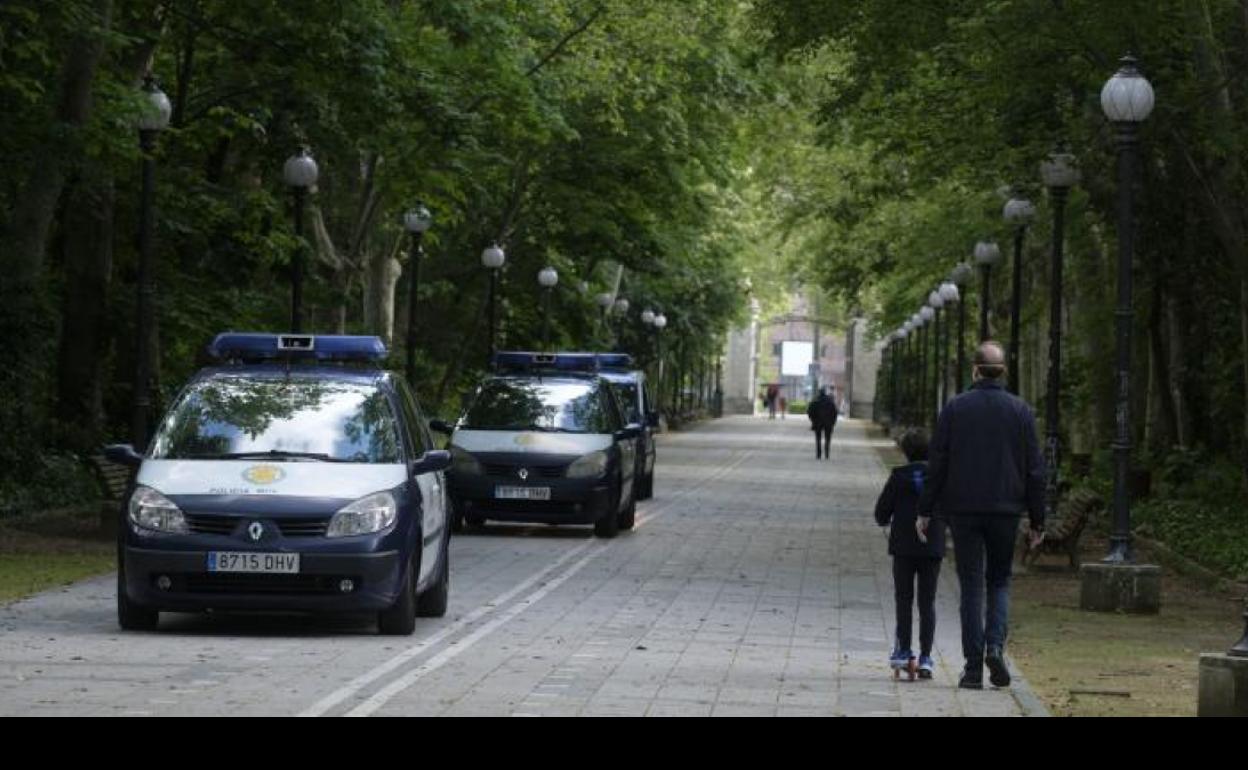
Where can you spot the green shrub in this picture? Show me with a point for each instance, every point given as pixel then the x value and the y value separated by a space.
pixel 57 481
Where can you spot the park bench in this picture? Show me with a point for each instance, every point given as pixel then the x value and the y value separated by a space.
pixel 1062 535
pixel 114 479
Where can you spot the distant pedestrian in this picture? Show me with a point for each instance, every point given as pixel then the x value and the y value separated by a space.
pixel 773 393
pixel 822 413
pixel 784 407
pixel 915 557
pixel 985 471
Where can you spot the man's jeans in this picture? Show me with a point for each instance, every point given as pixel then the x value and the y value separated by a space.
pixel 978 539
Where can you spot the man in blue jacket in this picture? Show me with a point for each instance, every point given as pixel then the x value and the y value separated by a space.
pixel 985 470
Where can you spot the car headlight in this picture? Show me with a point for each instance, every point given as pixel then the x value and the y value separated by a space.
pixel 150 510
pixel 591 466
pixel 464 462
pixel 365 516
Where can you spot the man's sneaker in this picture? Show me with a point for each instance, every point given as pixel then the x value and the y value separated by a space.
pixel 972 677
pixel 926 667
pixel 998 674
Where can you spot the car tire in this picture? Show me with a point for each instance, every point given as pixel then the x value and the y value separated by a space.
pixel 131 616
pixel 647 487
pixel 629 516
pixel 608 524
pixel 400 619
pixel 432 603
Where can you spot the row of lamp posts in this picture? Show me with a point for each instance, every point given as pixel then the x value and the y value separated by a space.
pixel 1127 99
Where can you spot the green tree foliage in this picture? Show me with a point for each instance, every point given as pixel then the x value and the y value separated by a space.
pixel 598 136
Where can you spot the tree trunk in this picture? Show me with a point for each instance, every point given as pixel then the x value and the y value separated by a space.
pixel 24 319
pixel 1243 329
pixel 380 281
pixel 88 268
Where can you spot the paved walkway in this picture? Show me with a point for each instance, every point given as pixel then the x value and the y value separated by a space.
pixel 755 583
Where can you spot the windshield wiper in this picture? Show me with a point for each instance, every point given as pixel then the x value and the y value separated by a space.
pixel 272 454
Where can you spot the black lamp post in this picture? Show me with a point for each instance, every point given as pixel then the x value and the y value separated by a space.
pixel 548 278
pixel 916 367
pixel 1059 174
pixel 621 309
pixel 300 174
pixel 987 254
pixel 660 322
pixel 492 259
pixel 153 119
pixel 937 303
pixel 416 222
pixel 1127 100
pixel 927 314
pixel 1019 213
pixel 950 294
pixel 961 276
pixel 899 347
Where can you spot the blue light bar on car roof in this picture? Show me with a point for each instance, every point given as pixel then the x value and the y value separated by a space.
pixel 522 361
pixel 318 347
pixel 615 361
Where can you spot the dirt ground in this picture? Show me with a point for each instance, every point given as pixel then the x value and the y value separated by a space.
pixel 1127 665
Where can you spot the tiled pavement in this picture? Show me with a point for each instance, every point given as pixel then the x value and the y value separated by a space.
pixel 756 583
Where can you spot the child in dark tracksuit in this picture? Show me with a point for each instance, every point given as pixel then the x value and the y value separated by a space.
pixel 912 558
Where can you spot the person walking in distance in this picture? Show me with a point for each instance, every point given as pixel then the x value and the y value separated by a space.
pixel 985 470
pixel 822 413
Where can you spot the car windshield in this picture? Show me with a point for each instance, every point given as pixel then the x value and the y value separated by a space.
pixel 280 418
pixel 520 405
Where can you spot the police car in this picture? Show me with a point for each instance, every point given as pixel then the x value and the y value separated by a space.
pixel 545 440
pixel 639 407
pixel 295 475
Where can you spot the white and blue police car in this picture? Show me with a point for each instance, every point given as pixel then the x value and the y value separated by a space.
pixel 544 440
pixel 640 411
pixel 296 474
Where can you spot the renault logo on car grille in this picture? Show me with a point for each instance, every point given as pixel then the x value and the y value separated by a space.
pixel 523 474
pixel 255 530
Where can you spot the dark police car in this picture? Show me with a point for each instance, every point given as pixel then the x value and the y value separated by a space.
pixel 639 410
pixel 545 441
pixel 297 475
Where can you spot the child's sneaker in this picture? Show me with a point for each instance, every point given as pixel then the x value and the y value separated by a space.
pixel 926 667
pixel 902 660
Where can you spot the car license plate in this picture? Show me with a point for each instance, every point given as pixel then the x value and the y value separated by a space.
pixel 250 561
pixel 522 493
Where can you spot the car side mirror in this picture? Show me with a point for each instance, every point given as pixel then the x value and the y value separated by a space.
pixel 631 432
pixel 440 426
pixel 432 461
pixel 123 454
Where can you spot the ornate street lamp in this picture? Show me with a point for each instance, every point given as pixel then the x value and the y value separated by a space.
pixel 493 258
pixel 940 332
pixel 1059 173
pixel 927 314
pixel 153 118
pixel 1127 100
pixel 1019 213
pixel 660 323
pixel 961 276
pixel 415 221
pixel 949 293
pixel 916 367
pixel 987 254
pixel 299 173
pixel 548 278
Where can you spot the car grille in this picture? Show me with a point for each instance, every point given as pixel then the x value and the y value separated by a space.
pixel 225 524
pixel 211 583
pixel 512 471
